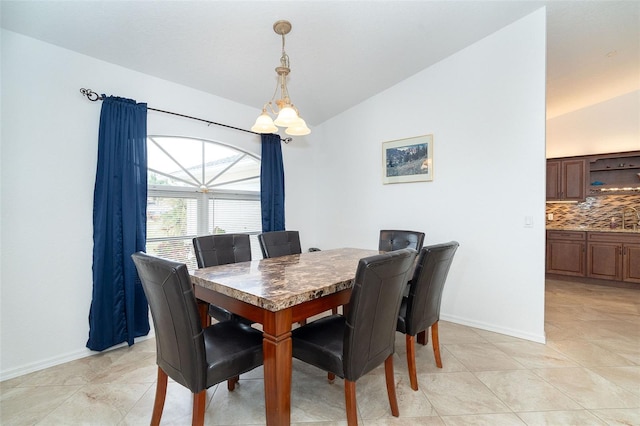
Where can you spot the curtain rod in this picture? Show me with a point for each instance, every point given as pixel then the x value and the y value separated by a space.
pixel 93 97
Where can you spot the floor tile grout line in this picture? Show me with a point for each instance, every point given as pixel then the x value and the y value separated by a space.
pixel 619 345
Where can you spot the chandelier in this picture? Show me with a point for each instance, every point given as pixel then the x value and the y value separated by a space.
pixel 287 114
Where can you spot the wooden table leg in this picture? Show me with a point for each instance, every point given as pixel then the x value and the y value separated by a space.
pixel 277 367
pixel 203 310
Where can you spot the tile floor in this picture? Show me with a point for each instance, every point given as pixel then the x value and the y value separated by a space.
pixel 588 373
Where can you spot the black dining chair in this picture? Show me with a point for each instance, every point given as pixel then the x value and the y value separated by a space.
pixel 282 243
pixel 393 239
pixel 222 249
pixel 194 357
pixel 352 345
pixel 421 308
pixel 279 243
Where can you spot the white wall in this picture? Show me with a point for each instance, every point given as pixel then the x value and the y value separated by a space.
pixel 610 126
pixel 49 149
pixel 485 107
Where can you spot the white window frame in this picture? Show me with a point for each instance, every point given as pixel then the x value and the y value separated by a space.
pixel 204 194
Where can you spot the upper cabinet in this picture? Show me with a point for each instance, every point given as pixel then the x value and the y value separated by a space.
pixel 614 172
pixel 573 178
pixel 566 179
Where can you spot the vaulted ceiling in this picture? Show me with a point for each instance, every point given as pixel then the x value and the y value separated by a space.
pixel 341 52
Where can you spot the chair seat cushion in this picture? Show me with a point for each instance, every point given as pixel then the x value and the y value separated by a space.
pixel 402 323
pixel 231 348
pixel 320 343
pixel 221 314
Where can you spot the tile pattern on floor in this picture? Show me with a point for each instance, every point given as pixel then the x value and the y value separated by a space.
pixel 588 373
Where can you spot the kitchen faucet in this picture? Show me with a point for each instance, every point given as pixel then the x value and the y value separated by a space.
pixel 632 211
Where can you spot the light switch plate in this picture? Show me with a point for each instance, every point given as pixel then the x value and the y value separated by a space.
pixel 528 221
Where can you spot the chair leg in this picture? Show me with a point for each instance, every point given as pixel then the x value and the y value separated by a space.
pixel 331 377
pixel 422 337
pixel 334 311
pixel 231 383
pixel 350 402
pixel 436 344
pixel 199 403
pixel 391 385
pixel 161 393
pixel 411 361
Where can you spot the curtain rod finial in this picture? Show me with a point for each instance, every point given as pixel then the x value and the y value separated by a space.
pixel 90 94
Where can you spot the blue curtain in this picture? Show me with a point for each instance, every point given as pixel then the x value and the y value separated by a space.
pixel 272 184
pixel 119 310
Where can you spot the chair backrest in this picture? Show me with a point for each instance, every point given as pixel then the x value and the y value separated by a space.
pixel 373 310
pixel 279 243
pixel 425 288
pixel 179 337
pixel 221 249
pixel 391 239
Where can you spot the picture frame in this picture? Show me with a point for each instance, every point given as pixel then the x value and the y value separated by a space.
pixel 408 160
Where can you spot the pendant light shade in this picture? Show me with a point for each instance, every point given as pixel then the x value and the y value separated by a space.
pixel 299 129
pixel 264 124
pixel 286 117
pixel 286 114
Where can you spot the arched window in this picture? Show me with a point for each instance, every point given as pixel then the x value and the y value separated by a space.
pixel 199 187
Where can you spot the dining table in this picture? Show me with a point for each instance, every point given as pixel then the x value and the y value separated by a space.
pixel 277 293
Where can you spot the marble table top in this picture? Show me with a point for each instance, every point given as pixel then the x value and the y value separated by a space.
pixel 280 282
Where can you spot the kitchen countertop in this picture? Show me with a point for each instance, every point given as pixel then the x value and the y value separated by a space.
pixel 591 229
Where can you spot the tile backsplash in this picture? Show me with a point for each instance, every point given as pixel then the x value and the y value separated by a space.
pixel 595 212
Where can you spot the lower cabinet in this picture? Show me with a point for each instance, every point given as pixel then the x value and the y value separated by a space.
pixel 604 260
pixel 631 262
pixel 613 256
pixel 566 253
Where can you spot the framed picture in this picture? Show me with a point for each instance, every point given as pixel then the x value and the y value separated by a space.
pixel 408 160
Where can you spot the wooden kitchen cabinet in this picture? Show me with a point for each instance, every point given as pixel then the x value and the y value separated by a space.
pixel 613 256
pixel 566 253
pixel 631 262
pixel 604 260
pixel 566 179
pixel 617 171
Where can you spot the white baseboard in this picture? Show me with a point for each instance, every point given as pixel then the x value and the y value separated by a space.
pixel 496 329
pixel 62 359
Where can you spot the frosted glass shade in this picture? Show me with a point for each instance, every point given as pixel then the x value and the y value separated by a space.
pixel 298 129
pixel 286 117
pixel 264 124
